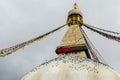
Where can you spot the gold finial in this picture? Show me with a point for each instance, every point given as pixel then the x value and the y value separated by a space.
pixel 75 16
pixel 75 6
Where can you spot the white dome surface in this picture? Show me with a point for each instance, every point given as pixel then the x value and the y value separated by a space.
pixel 72 68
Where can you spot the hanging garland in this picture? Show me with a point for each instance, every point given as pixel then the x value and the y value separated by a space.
pixel 95 54
pixel 102 29
pixel 109 36
pixel 14 48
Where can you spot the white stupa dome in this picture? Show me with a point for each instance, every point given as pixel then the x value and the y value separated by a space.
pixel 72 68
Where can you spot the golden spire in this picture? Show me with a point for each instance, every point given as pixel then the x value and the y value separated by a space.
pixel 73 42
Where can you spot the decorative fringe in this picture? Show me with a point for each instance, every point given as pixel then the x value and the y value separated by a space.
pixel 94 52
pixel 109 36
pixel 102 29
pixel 14 48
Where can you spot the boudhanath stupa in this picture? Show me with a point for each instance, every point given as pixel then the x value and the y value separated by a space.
pixel 76 60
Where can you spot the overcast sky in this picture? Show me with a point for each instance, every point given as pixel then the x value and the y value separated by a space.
pixel 21 20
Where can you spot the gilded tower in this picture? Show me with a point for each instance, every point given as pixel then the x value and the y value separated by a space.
pixel 73 43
